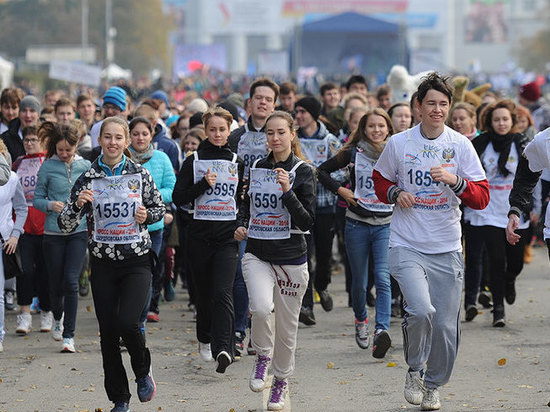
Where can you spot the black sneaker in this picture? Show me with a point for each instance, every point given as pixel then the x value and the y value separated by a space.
pixel 510 292
pixel 306 316
pixel 224 360
pixel 484 299
pixel 326 300
pixel 381 343
pixel 499 321
pixel 121 407
pixel 471 312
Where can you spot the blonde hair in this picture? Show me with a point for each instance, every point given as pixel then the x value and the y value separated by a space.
pixel 4 149
pixel 219 112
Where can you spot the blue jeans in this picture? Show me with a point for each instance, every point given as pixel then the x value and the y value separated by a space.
pixel 363 239
pixel 64 256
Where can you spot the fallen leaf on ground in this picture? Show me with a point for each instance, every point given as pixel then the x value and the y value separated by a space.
pixel 502 362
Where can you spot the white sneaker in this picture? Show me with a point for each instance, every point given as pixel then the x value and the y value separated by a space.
pixel 68 345
pixel 431 401
pixel 205 352
pixel 1 347
pixel 259 373
pixel 362 333
pixel 277 396
pixel 9 300
pixel 24 323
pixel 414 387
pixel 46 320
pixel 57 331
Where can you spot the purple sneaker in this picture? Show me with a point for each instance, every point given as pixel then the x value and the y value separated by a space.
pixel 259 373
pixel 279 390
pixel 146 387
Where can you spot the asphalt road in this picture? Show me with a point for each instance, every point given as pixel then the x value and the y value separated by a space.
pixel 332 373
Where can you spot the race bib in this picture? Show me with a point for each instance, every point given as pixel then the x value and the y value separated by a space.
pixel 364 185
pixel 27 172
pixel 218 202
pixel 116 200
pixel 269 218
pixel 315 150
pixel 252 146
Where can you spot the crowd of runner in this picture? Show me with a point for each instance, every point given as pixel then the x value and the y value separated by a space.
pixel 239 197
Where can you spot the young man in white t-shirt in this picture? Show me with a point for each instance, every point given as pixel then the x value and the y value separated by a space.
pixel 427 171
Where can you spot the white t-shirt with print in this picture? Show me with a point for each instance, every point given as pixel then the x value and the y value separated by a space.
pixel 432 225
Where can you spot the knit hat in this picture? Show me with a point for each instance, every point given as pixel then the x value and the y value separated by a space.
pixel 310 104
pixel 237 99
pixel 161 95
pixel 117 96
pixel 530 91
pixel 231 108
pixel 195 120
pixel 197 105
pixel 30 102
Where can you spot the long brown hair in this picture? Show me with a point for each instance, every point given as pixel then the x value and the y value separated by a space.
pixel 487 114
pixel 295 145
pixel 50 134
pixel 360 134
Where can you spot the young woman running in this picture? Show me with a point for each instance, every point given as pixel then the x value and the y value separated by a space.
pixel 63 253
pixel 119 199
pixel 276 213
pixel 367 224
pixel 212 179
pixel 499 149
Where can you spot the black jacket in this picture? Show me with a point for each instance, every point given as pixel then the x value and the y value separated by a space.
pixel 300 203
pixel 341 160
pixel 235 136
pixel 521 196
pixel 186 191
pixel 12 140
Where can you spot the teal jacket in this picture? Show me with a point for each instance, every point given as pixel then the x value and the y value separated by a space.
pixel 162 171
pixel 55 181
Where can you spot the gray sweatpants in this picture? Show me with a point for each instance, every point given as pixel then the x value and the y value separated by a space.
pixel 431 287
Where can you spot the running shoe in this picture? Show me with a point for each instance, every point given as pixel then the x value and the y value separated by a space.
pixel 414 387
pixel 153 317
pixel 471 312
pixel 484 299
pixel 499 320
pixel 206 352
pixel 362 333
pixel 430 401
pixel 277 395
pixel 46 321
pixel 68 345
pixel 169 292
pixel 146 387
pixel 57 331
pixel 24 323
pixel 1 346
pixel 35 305
pixel 306 316
pixel 259 373
pixel 9 300
pixel 510 292
pixel 224 360
pixel 239 345
pixel 326 300
pixel 121 407
pixel 381 343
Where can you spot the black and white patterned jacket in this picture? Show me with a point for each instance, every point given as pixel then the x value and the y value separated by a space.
pixel 152 200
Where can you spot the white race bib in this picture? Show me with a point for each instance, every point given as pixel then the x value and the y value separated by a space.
pixel 252 146
pixel 364 185
pixel 27 172
pixel 218 202
pixel 269 218
pixel 116 200
pixel 316 150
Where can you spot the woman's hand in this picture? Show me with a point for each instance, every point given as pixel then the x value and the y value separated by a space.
pixel 513 223
pixel 240 233
pixel 84 197
pixel 141 215
pixel 57 206
pixel 405 199
pixel 10 245
pixel 283 178
pixel 347 195
pixel 210 178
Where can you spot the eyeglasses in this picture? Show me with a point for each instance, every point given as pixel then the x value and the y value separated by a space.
pixel 32 141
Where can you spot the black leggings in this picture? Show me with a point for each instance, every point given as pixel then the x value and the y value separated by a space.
pixel 506 261
pixel 120 291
